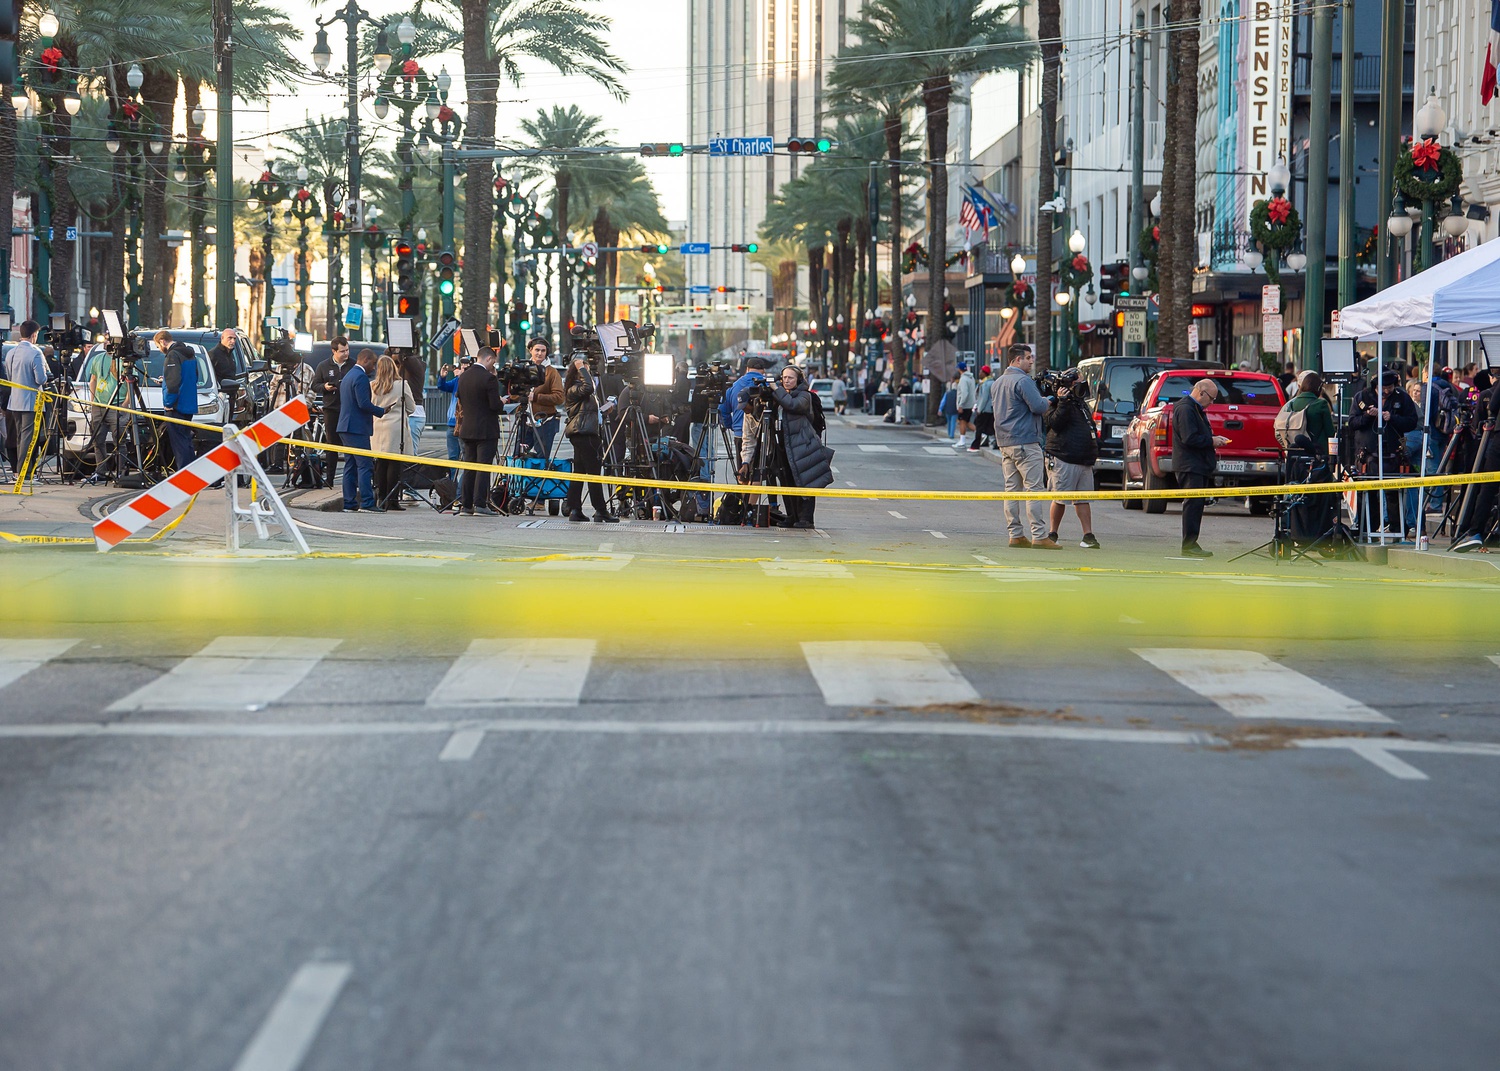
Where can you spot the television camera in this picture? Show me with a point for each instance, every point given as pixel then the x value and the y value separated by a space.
pixel 712 381
pixel 518 377
pixel 65 335
pixel 1061 384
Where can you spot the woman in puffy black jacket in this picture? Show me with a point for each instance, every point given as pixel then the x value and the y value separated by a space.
pixel 582 431
pixel 806 460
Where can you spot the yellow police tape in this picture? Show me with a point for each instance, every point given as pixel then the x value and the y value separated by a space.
pixel 894 494
pixel 11 537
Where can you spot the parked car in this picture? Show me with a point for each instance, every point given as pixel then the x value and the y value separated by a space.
pixel 1245 413
pixel 1117 387
pixel 254 377
pixel 823 388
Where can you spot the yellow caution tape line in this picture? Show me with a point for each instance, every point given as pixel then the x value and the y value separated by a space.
pixel 11 537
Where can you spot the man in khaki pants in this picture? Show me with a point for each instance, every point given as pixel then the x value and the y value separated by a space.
pixel 1019 406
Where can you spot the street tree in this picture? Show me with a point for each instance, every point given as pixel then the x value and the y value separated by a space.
pixel 930 44
pixel 613 196
pixel 1178 251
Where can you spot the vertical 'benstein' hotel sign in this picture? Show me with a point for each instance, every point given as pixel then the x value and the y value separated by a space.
pixel 1267 63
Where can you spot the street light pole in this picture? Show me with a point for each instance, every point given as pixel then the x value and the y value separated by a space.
pixel 1317 183
pixel 1392 52
pixel 224 310
pixel 1137 162
pixel 1347 136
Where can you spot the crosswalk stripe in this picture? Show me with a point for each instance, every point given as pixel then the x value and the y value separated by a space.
pixel 1030 576
pixel 501 673
pixel 1249 685
pixel 875 449
pixel 885 673
pixel 231 673
pixel 20 657
pixel 941 451
pixel 609 563
pixel 816 570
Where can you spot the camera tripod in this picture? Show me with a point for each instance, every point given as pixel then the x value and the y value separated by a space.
pixel 762 468
pixel 137 445
pixel 711 437
pixel 507 495
pixel 1462 506
pixel 640 459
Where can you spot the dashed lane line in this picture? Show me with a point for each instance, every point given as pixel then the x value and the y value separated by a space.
pixel 288 1032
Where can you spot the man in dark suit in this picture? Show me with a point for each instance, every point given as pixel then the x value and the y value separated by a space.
pixel 1194 458
pixel 480 406
pixel 328 376
pixel 357 415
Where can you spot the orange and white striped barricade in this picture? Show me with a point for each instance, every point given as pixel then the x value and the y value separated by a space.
pixel 236 454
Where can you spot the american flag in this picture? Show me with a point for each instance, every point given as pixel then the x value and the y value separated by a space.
pixel 975 214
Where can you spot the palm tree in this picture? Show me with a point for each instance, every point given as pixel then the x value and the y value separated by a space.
pixel 931 43
pixel 613 196
pixel 320 147
pixel 563 128
pixel 1177 253
pixel 495 36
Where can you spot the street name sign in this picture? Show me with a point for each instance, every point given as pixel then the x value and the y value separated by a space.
pixel 741 146
pixel 695 249
pixel 700 290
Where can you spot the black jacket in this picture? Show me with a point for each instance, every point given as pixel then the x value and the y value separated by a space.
pixel 809 459
pixel 1364 420
pixel 1070 432
pixel 331 372
pixel 223 362
pixel 479 404
pixel 1192 439
pixel 583 408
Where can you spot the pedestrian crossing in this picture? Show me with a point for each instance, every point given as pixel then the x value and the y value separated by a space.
pixel 495 675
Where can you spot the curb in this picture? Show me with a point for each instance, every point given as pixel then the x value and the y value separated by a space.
pixel 1442 563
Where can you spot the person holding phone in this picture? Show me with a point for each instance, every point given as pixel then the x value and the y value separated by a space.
pixel 1195 458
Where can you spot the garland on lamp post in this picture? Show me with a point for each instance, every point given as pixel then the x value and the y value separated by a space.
pixel 1274 228
pixel 1077 273
pixel 1428 171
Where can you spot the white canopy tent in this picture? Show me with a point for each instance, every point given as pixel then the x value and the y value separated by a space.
pixel 1450 301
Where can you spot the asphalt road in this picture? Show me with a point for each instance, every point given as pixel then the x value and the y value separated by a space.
pixel 888 795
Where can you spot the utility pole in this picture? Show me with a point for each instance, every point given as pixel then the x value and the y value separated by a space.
pixel 1347 135
pixel 1137 161
pixel 356 214
pixel 872 204
pixel 1392 52
pixel 1317 182
pixel 224 310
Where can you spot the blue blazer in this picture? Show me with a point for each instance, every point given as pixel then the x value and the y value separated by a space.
pixel 357 412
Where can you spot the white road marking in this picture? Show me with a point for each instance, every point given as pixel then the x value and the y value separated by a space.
pixel 504 673
pixel 986 561
pixel 817 570
pixel 935 535
pixel 606 548
pixel 20 657
pixel 875 449
pixel 1495 658
pixel 1381 757
pixel 1126 619
pixel 941 451
pixel 885 673
pixel 1249 685
pixel 611 563
pixel 231 673
pixel 283 1040
pixel 462 745
pixel 408 559
pixel 898 516
pixel 833 469
pixel 1268 582
pixel 1030 576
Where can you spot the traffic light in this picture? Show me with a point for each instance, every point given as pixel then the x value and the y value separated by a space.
pixel 1113 281
pixel 661 148
pixel 445 262
pixel 519 323
pixel 747 247
pixel 408 305
pixel 659 250
pixel 405 275
pixel 795 145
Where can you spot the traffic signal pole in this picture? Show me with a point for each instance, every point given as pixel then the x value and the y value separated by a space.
pixel 1137 162
pixel 225 314
pixel 1317 185
pixel 447 221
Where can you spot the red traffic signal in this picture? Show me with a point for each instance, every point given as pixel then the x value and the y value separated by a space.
pixel 403 248
pixel 446 259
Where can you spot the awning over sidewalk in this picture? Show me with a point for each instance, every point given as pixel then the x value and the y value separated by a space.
pixel 1455 299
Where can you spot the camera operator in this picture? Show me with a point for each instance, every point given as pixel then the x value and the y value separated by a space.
pixel 583 430
pixel 1380 421
pixel 26 367
pixel 1072 448
pixel 480 406
pixel 543 400
pixel 180 376
pixel 805 460
pixel 330 374
pixel 732 415
pixel 1019 406
pixel 1476 515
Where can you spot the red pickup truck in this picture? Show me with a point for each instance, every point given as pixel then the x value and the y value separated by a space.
pixel 1245 413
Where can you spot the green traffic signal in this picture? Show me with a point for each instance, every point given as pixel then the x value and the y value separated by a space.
pixel 661 250
pixel 445 287
pixel 752 247
pixel 674 149
pixel 524 325
pixel 824 144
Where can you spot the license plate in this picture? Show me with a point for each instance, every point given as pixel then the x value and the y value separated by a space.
pixel 1117 432
pixel 1233 466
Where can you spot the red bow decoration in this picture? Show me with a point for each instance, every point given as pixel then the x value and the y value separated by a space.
pixel 303 195
pixel 409 69
pixel 1156 233
pixel 131 109
pixel 265 176
pixel 1080 263
pixel 1279 209
pixel 51 57
pixel 1425 153
pixel 446 114
pixel 338 217
pixel 1020 290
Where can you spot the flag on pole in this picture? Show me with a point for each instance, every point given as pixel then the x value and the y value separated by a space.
pixel 976 215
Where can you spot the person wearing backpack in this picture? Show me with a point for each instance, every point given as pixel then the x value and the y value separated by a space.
pixel 806 461
pixel 1308 423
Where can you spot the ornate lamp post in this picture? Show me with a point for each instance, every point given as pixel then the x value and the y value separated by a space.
pixel 195 159
pixel 520 208
pixel 268 192
pixel 129 132
pixel 304 208
pixel 502 201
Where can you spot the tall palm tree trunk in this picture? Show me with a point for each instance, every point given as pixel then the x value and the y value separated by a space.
pixel 601 266
pixel 482 76
pixel 935 95
pixel 159 92
pixel 1049 35
pixel 894 126
pixel 1177 253
pixel 564 267
pixel 8 150
pixel 865 265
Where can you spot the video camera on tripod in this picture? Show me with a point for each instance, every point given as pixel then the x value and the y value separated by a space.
pixel 120 344
pixel 623 346
pixel 65 335
pixel 518 377
pixel 712 381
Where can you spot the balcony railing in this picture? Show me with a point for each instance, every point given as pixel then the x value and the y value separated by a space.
pixel 1366 73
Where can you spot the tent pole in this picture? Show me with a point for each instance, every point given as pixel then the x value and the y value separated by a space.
pixel 1426 433
pixel 1380 432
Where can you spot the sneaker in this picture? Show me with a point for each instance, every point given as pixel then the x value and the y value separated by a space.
pixel 976 449
pixel 1089 542
pixel 1052 536
pixel 1020 541
pixel 1044 544
pixel 1193 550
pixel 467 511
pixel 1468 543
pixel 351 509
pixel 485 511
